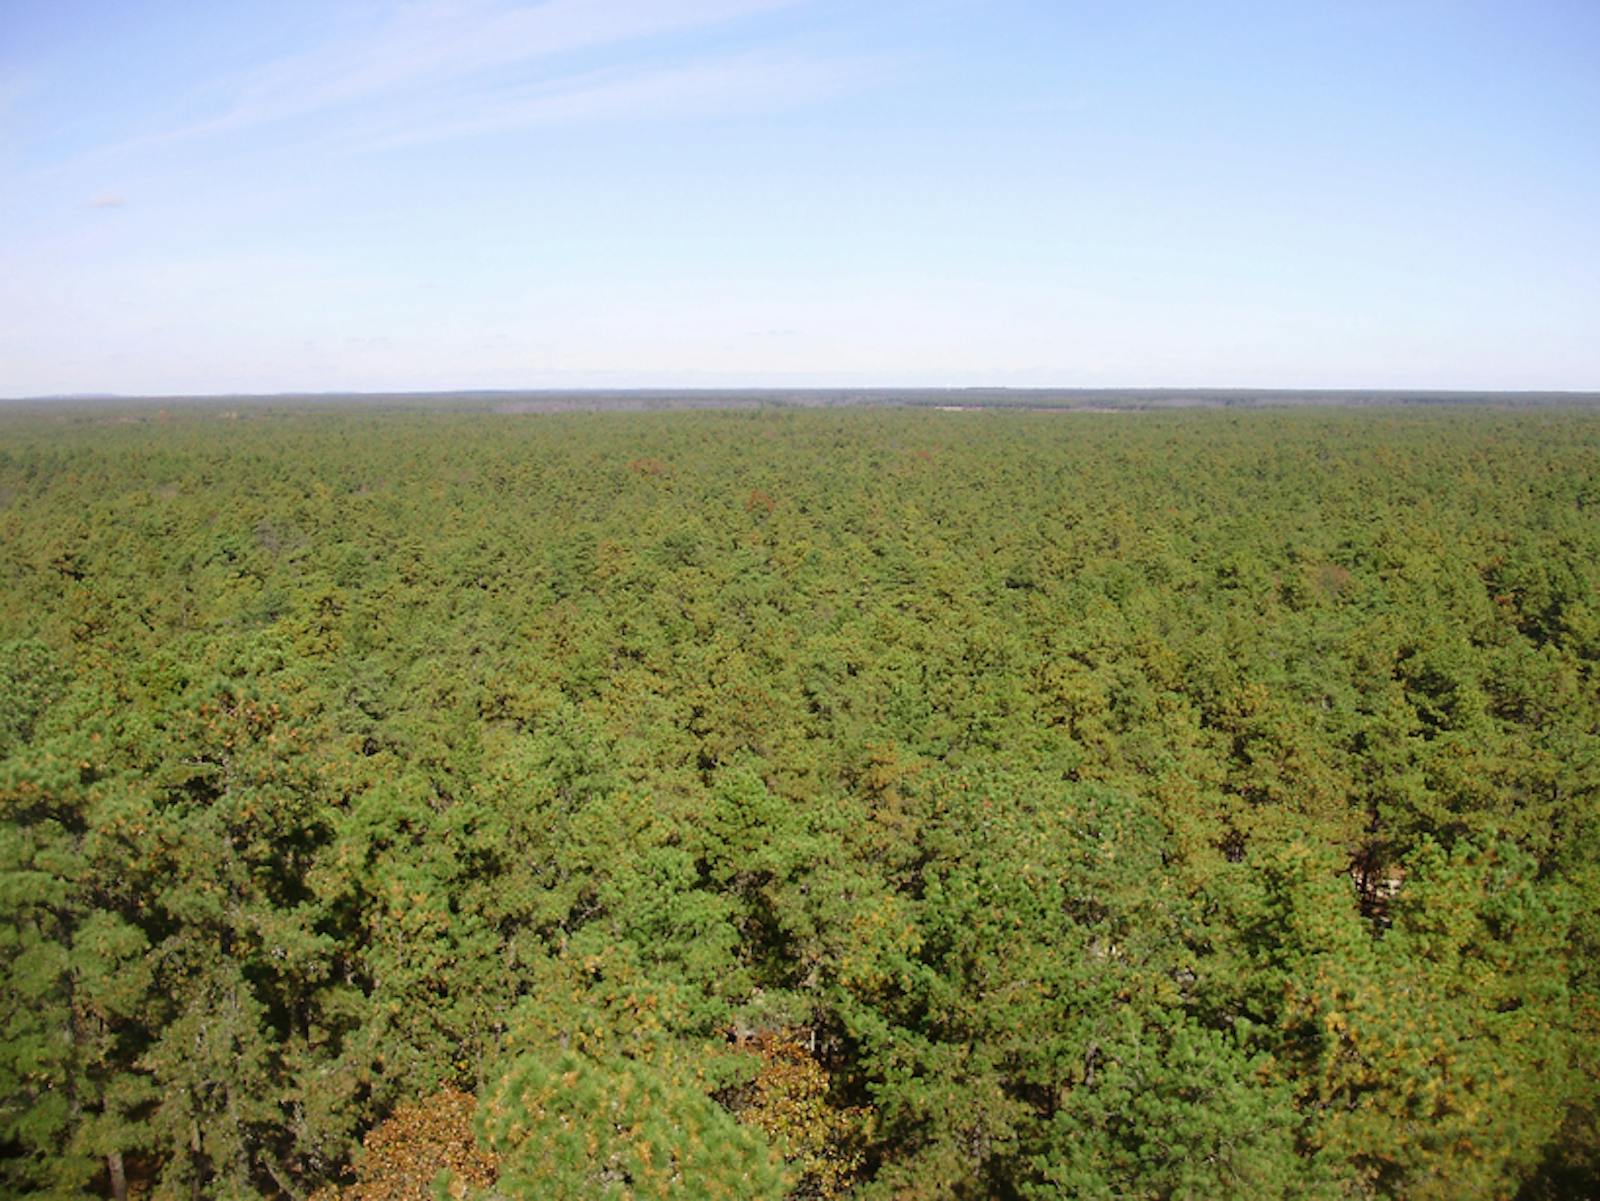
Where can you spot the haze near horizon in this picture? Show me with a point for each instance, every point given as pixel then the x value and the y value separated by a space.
pixel 301 197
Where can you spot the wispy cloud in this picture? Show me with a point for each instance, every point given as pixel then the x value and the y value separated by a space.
pixel 108 200
pixel 14 88
pixel 11 87
pixel 729 84
pixel 450 53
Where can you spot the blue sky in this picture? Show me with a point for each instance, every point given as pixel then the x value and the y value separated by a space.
pixel 488 194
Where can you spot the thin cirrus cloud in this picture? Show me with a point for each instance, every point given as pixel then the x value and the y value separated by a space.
pixel 459 62
pixel 706 87
pixel 109 200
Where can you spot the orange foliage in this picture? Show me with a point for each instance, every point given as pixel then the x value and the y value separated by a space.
pixel 405 1154
pixel 788 1102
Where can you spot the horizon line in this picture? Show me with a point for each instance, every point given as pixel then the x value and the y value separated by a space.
pixel 723 390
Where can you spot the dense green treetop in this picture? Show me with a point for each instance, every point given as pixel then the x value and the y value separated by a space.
pixel 895 804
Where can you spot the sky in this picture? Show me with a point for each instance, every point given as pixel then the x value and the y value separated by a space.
pixel 307 195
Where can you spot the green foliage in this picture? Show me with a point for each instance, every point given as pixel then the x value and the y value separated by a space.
pixel 571 1127
pixel 1129 805
pixel 1440 1054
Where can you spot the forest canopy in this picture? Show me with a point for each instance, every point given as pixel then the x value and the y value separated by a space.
pixel 852 803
